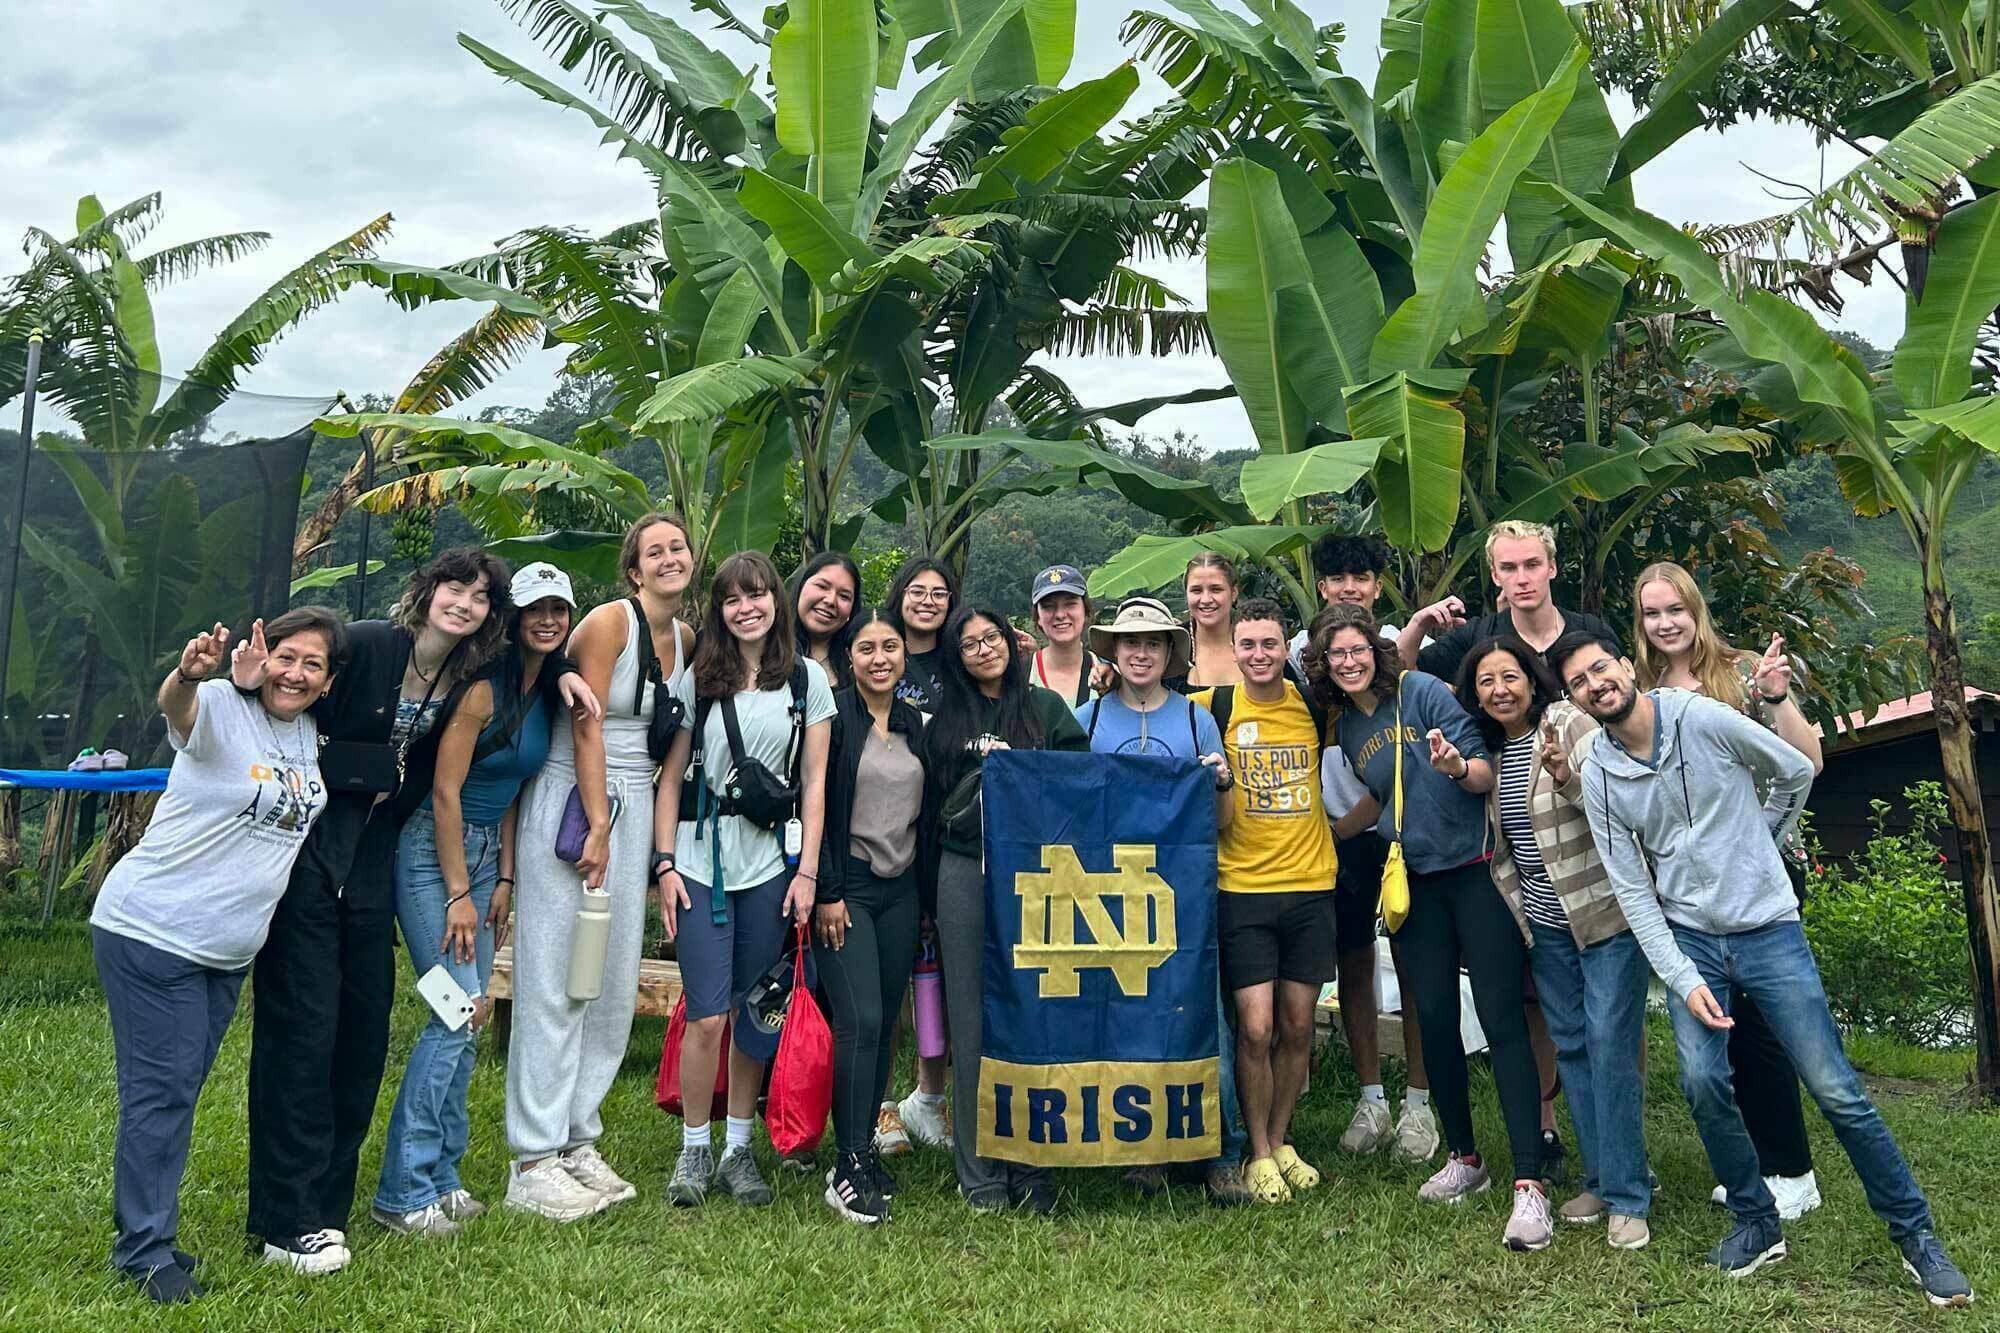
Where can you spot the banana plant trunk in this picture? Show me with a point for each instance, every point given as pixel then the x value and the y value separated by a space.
pixel 1968 816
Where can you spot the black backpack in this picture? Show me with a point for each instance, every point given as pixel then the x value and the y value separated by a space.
pixel 1222 701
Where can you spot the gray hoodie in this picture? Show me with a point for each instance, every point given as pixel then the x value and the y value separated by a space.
pixel 1684 837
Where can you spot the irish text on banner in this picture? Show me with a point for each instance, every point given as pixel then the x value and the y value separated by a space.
pixel 1099 1027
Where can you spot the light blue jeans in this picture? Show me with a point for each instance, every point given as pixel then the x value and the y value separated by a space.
pixel 1774 966
pixel 429 1126
pixel 1594 1001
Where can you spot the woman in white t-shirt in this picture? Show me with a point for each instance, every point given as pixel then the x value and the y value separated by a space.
pixel 737 861
pixel 183 914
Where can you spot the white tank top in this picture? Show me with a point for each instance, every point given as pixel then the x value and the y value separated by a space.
pixel 625 730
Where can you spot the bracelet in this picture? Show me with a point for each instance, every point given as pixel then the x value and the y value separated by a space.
pixel 1774 699
pixel 457 898
pixel 186 679
pixel 805 874
pixel 1460 777
pixel 504 879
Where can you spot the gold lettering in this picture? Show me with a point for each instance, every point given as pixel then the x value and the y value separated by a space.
pixel 1052 902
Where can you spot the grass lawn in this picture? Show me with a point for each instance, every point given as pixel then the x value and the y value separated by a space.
pixel 1359 1251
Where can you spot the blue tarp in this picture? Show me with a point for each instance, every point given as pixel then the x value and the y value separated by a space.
pixel 109 780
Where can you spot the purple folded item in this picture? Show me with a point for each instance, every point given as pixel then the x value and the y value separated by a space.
pixel 575 827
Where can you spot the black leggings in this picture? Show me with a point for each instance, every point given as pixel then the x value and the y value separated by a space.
pixel 1767 1092
pixel 863 982
pixel 1458 913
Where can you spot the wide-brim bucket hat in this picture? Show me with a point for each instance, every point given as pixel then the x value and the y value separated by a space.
pixel 1145 615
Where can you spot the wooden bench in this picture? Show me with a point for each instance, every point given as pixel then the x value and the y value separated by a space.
pixel 659 988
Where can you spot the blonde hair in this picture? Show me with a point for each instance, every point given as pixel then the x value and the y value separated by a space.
pixel 1515 529
pixel 1712 662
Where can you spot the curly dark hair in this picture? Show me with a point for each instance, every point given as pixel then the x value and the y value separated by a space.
pixel 837 644
pixel 1319 676
pixel 1543 689
pixel 1349 553
pixel 467 565
pixel 718 666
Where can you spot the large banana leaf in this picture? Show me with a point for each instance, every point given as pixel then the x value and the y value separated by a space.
pixel 735 312
pixel 584 555
pixel 1053 130
pixel 1328 324
pixel 1445 101
pixel 1878 25
pixel 751 510
pixel 903 134
pixel 1253 254
pixel 1052 34
pixel 631 145
pixel 1565 304
pixel 1676 109
pixel 98 502
pixel 450 453
pixel 1129 413
pixel 133 305
pixel 1173 498
pixel 1933 363
pixel 1155 561
pixel 813 237
pixel 411 286
pixel 1977 419
pixel 1417 479
pixel 823 67
pixel 1768 327
pixel 1272 481
pixel 333 576
pixel 1009 61
pixel 707 392
pixel 1520 45
pixel 1460 222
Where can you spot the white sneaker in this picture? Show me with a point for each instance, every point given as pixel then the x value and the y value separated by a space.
pixel 1455 1180
pixel 891 1139
pixel 314 1254
pixel 1529 1227
pixel 1370 1130
pixel 426 1221
pixel 551 1192
pixel 460 1206
pixel 925 1124
pixel 1796 1195
pixel 1416 1134
pixel 595 1174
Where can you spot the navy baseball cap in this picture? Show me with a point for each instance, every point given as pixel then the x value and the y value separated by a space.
pixel 1058 578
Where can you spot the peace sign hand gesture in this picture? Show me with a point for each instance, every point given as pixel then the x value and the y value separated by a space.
pixel 1555 759
pixel 1773 676
pixel 248 663
pixel 203 653
pixel 1445 757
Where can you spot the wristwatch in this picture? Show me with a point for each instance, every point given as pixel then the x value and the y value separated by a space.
pixel 662 861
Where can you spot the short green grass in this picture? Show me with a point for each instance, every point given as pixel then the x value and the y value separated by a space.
pixel 1358 1252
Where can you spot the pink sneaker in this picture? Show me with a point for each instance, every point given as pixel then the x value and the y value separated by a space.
pixel 1455 1180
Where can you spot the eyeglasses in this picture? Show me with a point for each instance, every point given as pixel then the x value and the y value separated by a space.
pixel 1601 669
pixel 927 594
pixel 1349 654
pixel 989 642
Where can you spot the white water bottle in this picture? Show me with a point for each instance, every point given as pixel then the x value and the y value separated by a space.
pixel 587 945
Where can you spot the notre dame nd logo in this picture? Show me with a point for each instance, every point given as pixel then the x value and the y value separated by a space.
pixel 1064 894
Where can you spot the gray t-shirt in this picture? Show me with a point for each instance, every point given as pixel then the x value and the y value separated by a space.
pixel 206 877
pixel 888 797
pixel 749 855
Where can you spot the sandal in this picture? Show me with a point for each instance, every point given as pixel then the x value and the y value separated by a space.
pixel 1265 1182
pixel 1297 1172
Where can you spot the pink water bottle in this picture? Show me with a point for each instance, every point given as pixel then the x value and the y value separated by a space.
pixel 927 1000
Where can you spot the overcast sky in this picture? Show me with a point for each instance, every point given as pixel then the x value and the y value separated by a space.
pixel 306 120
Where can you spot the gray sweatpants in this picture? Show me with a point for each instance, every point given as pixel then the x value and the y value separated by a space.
pixel 961 935
pixel 565 1052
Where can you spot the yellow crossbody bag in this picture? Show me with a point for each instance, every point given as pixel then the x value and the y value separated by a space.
pixel 1395 876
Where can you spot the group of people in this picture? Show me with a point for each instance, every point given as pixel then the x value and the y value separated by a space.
pixel 1531 811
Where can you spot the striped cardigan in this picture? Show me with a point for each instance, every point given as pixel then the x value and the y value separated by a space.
pixel 1562 834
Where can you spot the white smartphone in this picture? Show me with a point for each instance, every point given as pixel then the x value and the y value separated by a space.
pixel 446 997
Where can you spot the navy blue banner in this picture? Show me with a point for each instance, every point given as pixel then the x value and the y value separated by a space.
pixel 1099 1027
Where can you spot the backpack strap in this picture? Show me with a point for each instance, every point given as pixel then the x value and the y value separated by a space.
pixel 795 751
pixel 1221 702
pixel 1318 717
pixel 649 661
pixel 1090 732
pixel 1194 736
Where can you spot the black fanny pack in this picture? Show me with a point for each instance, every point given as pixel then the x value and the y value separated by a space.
pixel 359 768
pixel 749 789
pixel 668 712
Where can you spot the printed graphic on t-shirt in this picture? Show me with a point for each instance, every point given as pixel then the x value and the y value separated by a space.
pixel 1373 745
pixel 283 803
pixel 1277 779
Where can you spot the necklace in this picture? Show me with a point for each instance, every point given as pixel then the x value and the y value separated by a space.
pixel 427 676
pixel 298 738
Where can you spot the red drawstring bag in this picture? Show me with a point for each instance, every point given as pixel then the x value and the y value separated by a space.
pixel 667 1090
pixel 801 1092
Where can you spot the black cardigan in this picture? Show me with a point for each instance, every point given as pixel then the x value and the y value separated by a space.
pixel 851 724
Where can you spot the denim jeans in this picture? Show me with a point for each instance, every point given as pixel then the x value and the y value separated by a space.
pixel 1594 1001
pixel 1774 966
pixel 429 1126
pixel 1234 1135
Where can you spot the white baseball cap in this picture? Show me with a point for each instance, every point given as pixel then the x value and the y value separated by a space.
pixel 539 580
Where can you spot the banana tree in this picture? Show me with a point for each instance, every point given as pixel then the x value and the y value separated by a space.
pixel 817 280
pixel 1905 446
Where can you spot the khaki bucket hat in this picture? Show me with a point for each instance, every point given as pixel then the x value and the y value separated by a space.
pixel 1145 615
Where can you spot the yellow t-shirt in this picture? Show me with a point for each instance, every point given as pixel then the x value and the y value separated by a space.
pixel 1279 840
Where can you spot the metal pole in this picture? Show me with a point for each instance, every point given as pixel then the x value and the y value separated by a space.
pixel 34 371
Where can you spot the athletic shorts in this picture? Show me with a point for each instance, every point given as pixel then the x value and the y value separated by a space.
pixel 1266 937
pixel 1359 895
pixel 721 961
